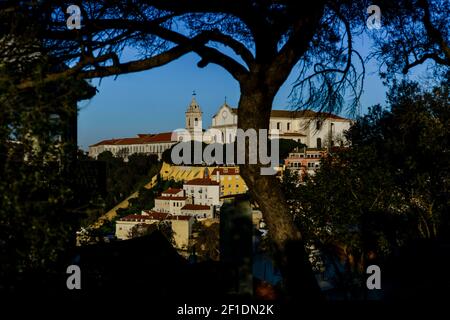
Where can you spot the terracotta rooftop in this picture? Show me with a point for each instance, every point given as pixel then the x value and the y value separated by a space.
pixel 195 207
pixel 172 191
pixel 202 182
pixel 140 139
pixel 225 171
pixel 170 198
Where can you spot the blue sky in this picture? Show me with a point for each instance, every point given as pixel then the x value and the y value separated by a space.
pixel 155 100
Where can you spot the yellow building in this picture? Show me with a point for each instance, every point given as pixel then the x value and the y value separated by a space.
pixel 231 182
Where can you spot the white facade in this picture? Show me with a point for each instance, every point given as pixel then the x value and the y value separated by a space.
pixel 199 212
pixel 170 204
pixel 142 144
pixel 315 130
pixel 203 191
pixel 225 120
pixel 173 192
pixel 308 127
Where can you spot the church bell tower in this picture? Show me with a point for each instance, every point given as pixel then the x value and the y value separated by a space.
pixel 194 119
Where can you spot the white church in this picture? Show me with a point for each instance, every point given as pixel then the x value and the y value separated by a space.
pixel 316 130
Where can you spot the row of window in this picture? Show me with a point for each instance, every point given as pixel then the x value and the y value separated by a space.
pixel 144 148
pixel 229 186
pixel 301 155
pixel 299 165
pixel 289 126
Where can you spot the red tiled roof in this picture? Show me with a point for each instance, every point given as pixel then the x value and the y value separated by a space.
pixel 172 191
pixel 202 182
pixel 225 171
pixel 195 207
pixel 170 198
pixel 140 139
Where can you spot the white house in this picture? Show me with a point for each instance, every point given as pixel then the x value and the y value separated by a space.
pixel 170 204
pixel 198 211
pixel 173 192
pixel 203 191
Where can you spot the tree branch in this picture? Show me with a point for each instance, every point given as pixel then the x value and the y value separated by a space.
pixel 298 43
pixel 433 33
pixel 421 60
pixel 237 46
pixel 184 45
pixel 115 69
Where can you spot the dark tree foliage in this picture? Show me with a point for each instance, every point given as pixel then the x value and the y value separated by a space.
pixel 124 178
pixel 38 216
pixel 223 158
pixel 207 241
pixel 268 40
pixel 144 229
pixel 287 145
pixel 413 32
pixel 389 189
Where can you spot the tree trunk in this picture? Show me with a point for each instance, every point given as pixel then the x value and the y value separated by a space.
pixel 289 252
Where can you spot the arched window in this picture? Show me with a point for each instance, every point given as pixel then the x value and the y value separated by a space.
pixel 319 143
pixel 196 122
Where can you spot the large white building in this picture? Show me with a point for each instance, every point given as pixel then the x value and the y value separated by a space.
pixel 203 191
pixel 316 130
pixel 171 204
pixel 144 144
